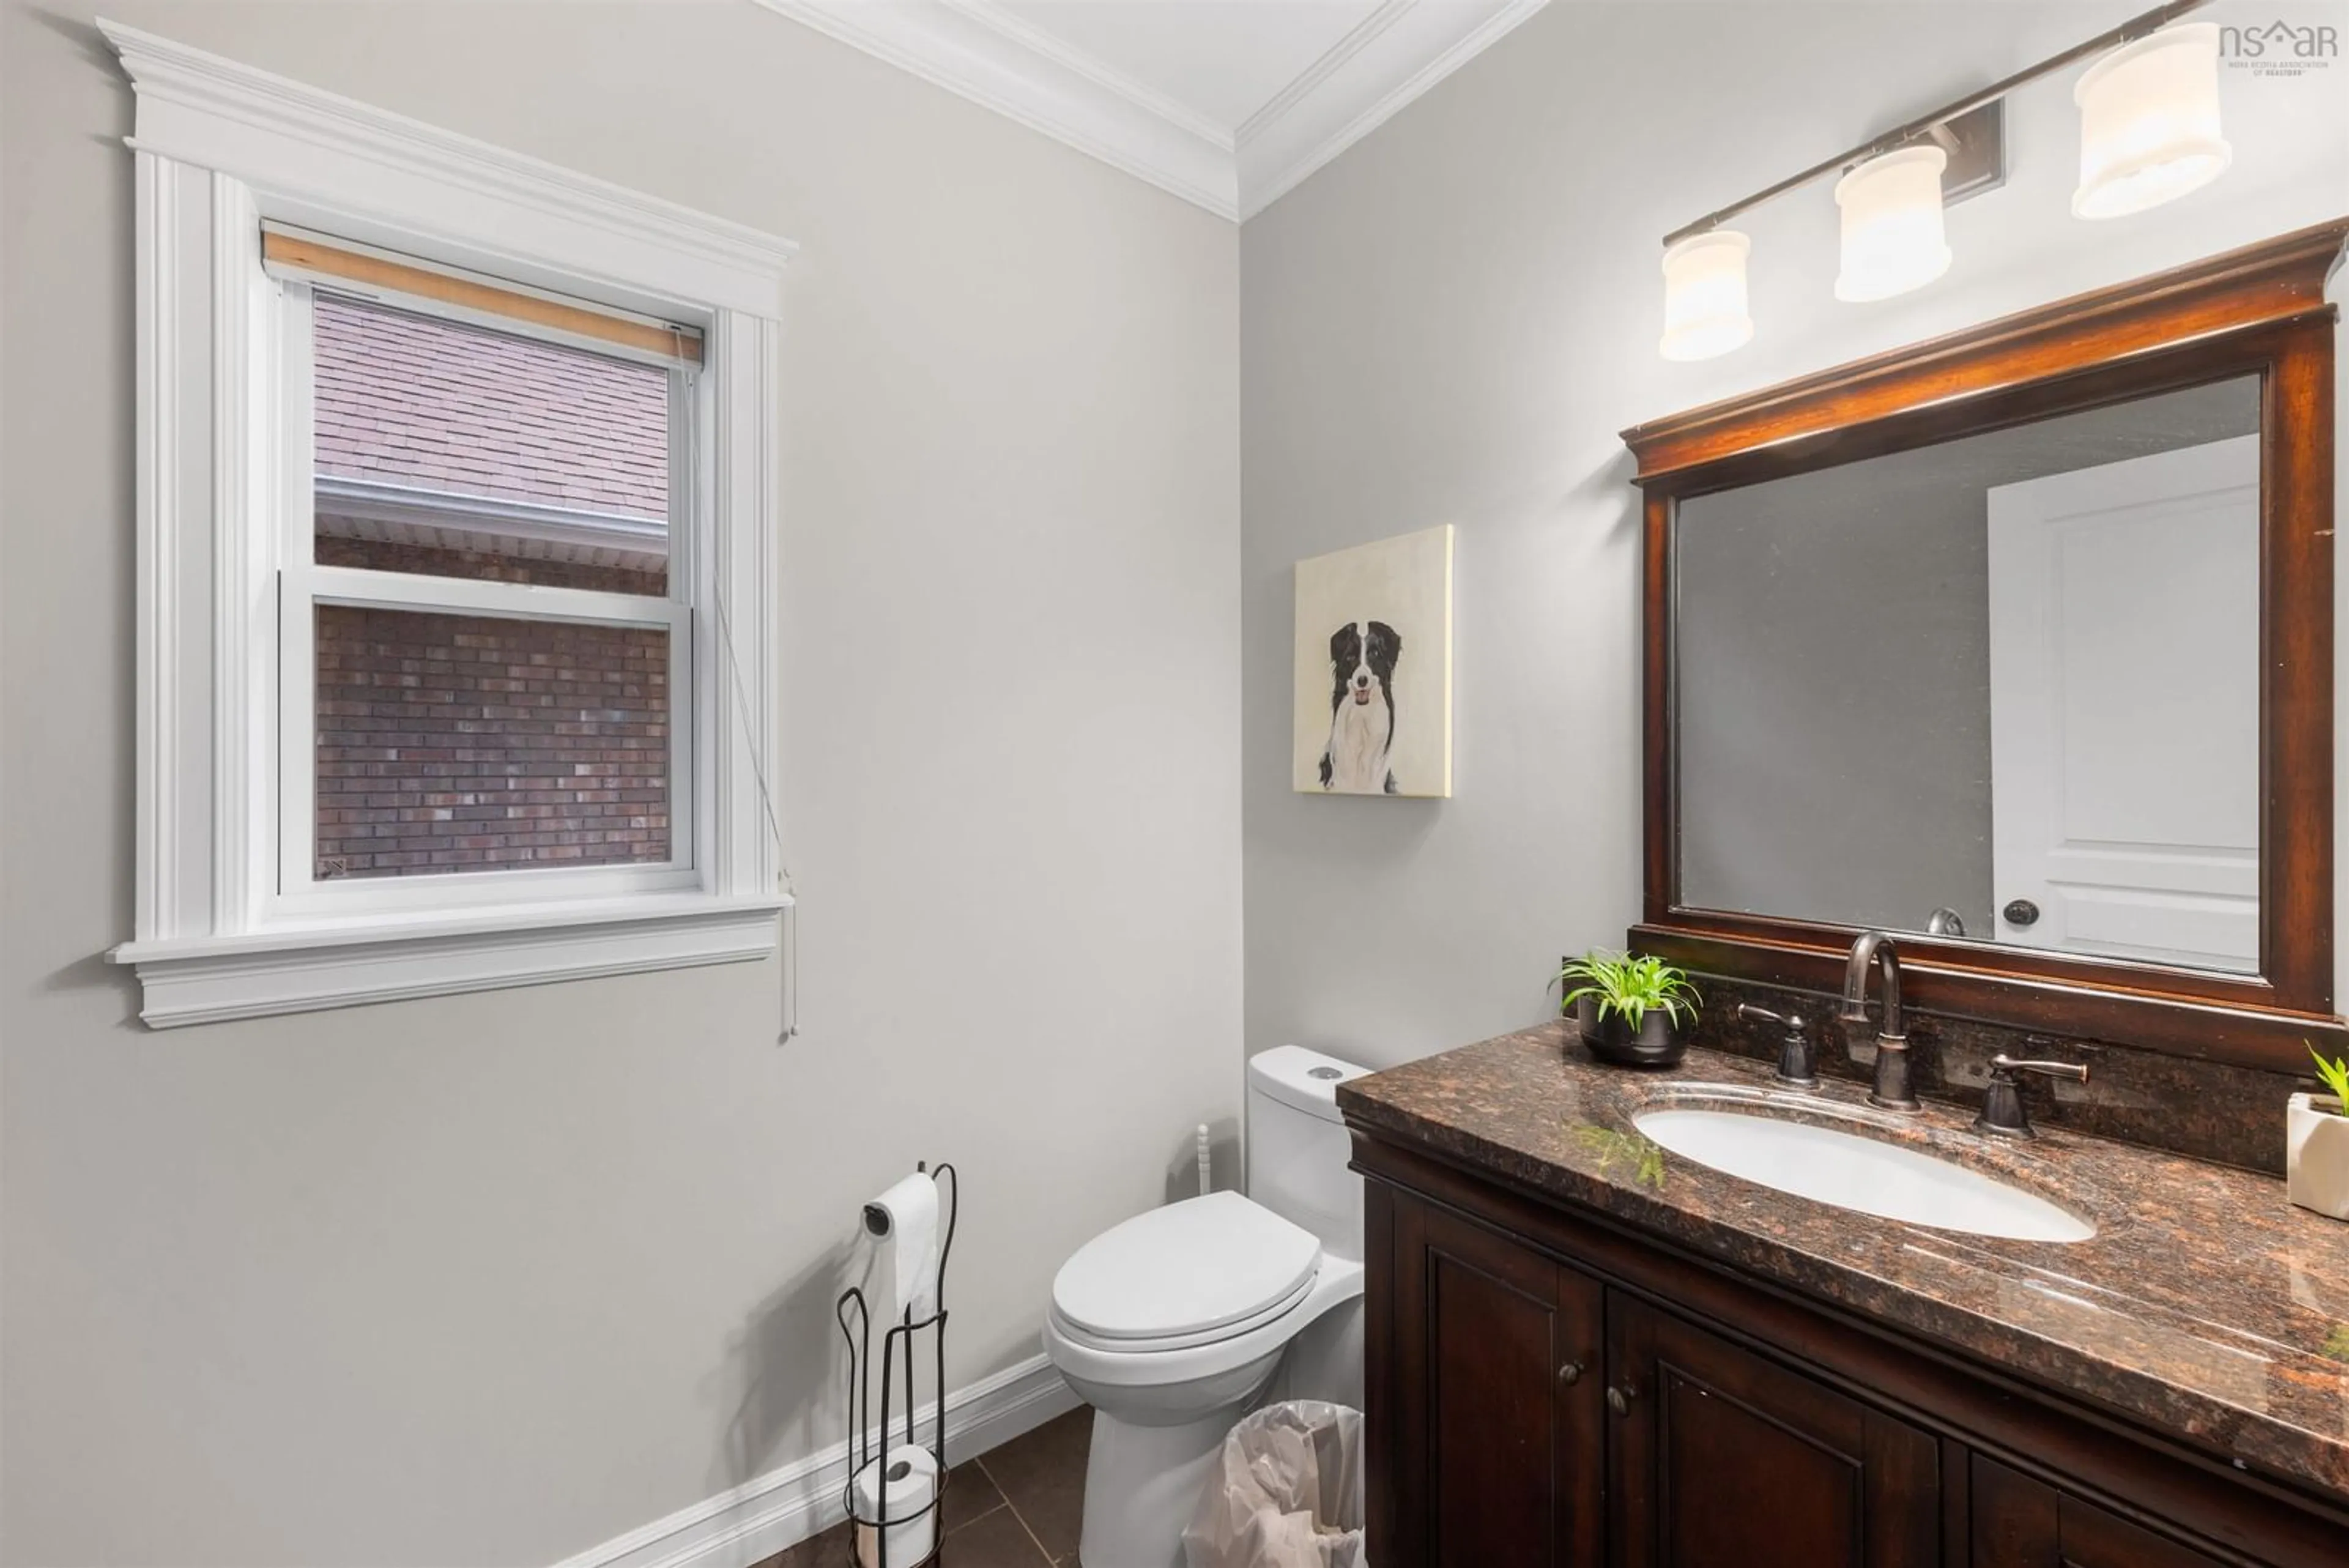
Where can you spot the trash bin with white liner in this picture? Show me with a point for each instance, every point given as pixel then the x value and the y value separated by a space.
pixel 1285 1493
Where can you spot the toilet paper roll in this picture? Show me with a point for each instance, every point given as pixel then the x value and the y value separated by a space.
pixel 910 1483
pixel 906 1220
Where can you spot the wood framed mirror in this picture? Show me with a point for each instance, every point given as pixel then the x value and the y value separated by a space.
pixel 2018 644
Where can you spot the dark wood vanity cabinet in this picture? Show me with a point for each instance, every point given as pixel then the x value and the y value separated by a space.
pixel 1511 1367
pixel 1499 1401
pixel 2019 1523
pixel 1716 1450
pixel 1541 1419
pixel 1547 1389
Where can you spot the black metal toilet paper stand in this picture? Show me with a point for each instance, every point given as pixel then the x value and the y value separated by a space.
pixel 870 1444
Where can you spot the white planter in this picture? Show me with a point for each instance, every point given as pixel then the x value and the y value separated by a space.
pixel 2316 1155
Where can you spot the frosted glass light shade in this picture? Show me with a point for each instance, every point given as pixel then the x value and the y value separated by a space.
pixel 2149 122
pixel 1892 238
pixel 1705 296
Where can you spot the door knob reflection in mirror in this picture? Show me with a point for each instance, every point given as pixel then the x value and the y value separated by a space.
pixel 2021 912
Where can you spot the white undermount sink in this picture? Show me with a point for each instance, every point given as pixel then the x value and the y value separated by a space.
pixel 1890 1180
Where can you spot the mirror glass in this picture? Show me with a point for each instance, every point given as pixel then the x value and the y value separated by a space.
pixel 2005 688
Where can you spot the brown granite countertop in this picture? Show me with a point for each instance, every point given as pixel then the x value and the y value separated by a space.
pixel 2206 1305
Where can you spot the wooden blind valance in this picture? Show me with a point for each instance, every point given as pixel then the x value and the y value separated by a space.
pixel 291 252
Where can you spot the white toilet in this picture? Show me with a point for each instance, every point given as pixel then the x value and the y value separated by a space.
pixel 1173 1325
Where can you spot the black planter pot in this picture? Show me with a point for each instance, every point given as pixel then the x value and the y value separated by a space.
pixel 1655 1043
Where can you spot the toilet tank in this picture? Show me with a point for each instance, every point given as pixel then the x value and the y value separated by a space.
pixel 1297 1147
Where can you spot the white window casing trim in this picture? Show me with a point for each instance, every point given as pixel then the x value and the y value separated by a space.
pixel 377 178
pixel 214 981
pixel 219 148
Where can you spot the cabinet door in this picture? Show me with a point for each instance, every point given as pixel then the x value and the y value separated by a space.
pixel 1494 1448
pixel 2019 1523
pixel 1722 1458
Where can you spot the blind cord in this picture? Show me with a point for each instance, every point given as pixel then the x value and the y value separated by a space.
pixel 787 928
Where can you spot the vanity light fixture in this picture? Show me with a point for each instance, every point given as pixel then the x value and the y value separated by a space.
pixel 2149 122
pixel 1892 236
pixel 2149 133
pixel 1705 296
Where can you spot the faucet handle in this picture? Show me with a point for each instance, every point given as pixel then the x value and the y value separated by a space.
pixel 2003 1113
pixel 1796 1063
pixel 2008 1066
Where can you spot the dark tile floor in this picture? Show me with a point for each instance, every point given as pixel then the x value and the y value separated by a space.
pixel 1019 1506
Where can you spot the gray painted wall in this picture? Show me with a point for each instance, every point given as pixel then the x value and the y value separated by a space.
pixel 1833 663
pixel 1451 323
pixel 1833 639
pixel 490 1279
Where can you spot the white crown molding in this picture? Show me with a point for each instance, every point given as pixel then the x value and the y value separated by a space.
pixel 974 48
pixel 297 144
pixel 784 1507
pixel 971 49
pixel 1035 40
pixel 1398 52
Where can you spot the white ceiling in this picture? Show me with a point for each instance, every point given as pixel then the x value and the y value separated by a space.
pixel 1226 103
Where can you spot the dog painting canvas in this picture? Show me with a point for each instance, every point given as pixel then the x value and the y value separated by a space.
pixel 1374 669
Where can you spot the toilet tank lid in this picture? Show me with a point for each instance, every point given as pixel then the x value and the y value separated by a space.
pixel 1305 1079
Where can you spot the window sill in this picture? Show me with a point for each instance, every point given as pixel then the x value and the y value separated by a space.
pixel 211 979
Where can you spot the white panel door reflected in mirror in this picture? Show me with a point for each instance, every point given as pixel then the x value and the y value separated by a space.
pixel 2005 687
pixel 2125 771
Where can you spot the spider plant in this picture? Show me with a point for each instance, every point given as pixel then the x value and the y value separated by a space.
pixel 2336 1074
pixel 1631 986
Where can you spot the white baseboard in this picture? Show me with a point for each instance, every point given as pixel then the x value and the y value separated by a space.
pixel 784 1507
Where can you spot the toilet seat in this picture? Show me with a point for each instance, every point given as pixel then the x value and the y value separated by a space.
pixel 1163 1367
pixel 1195 1272
pixel 1079 1335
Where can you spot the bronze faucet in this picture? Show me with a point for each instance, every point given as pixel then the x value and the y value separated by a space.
pixel 1876 951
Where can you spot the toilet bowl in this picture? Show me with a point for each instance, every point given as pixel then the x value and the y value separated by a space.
pixel 1174 1323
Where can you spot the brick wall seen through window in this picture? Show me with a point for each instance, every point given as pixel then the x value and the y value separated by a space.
pixel 472 743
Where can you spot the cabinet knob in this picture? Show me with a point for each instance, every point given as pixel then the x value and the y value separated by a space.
pixel 1619 1399
pixel 1570 1375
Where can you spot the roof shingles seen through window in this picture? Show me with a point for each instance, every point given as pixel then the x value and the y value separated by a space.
pixel 413 400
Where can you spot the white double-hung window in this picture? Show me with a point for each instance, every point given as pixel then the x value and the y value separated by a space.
pixel 456 504
pixel 485 618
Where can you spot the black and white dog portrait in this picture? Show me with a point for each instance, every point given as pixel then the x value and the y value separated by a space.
pixel 1362 658
pixel 1367 717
